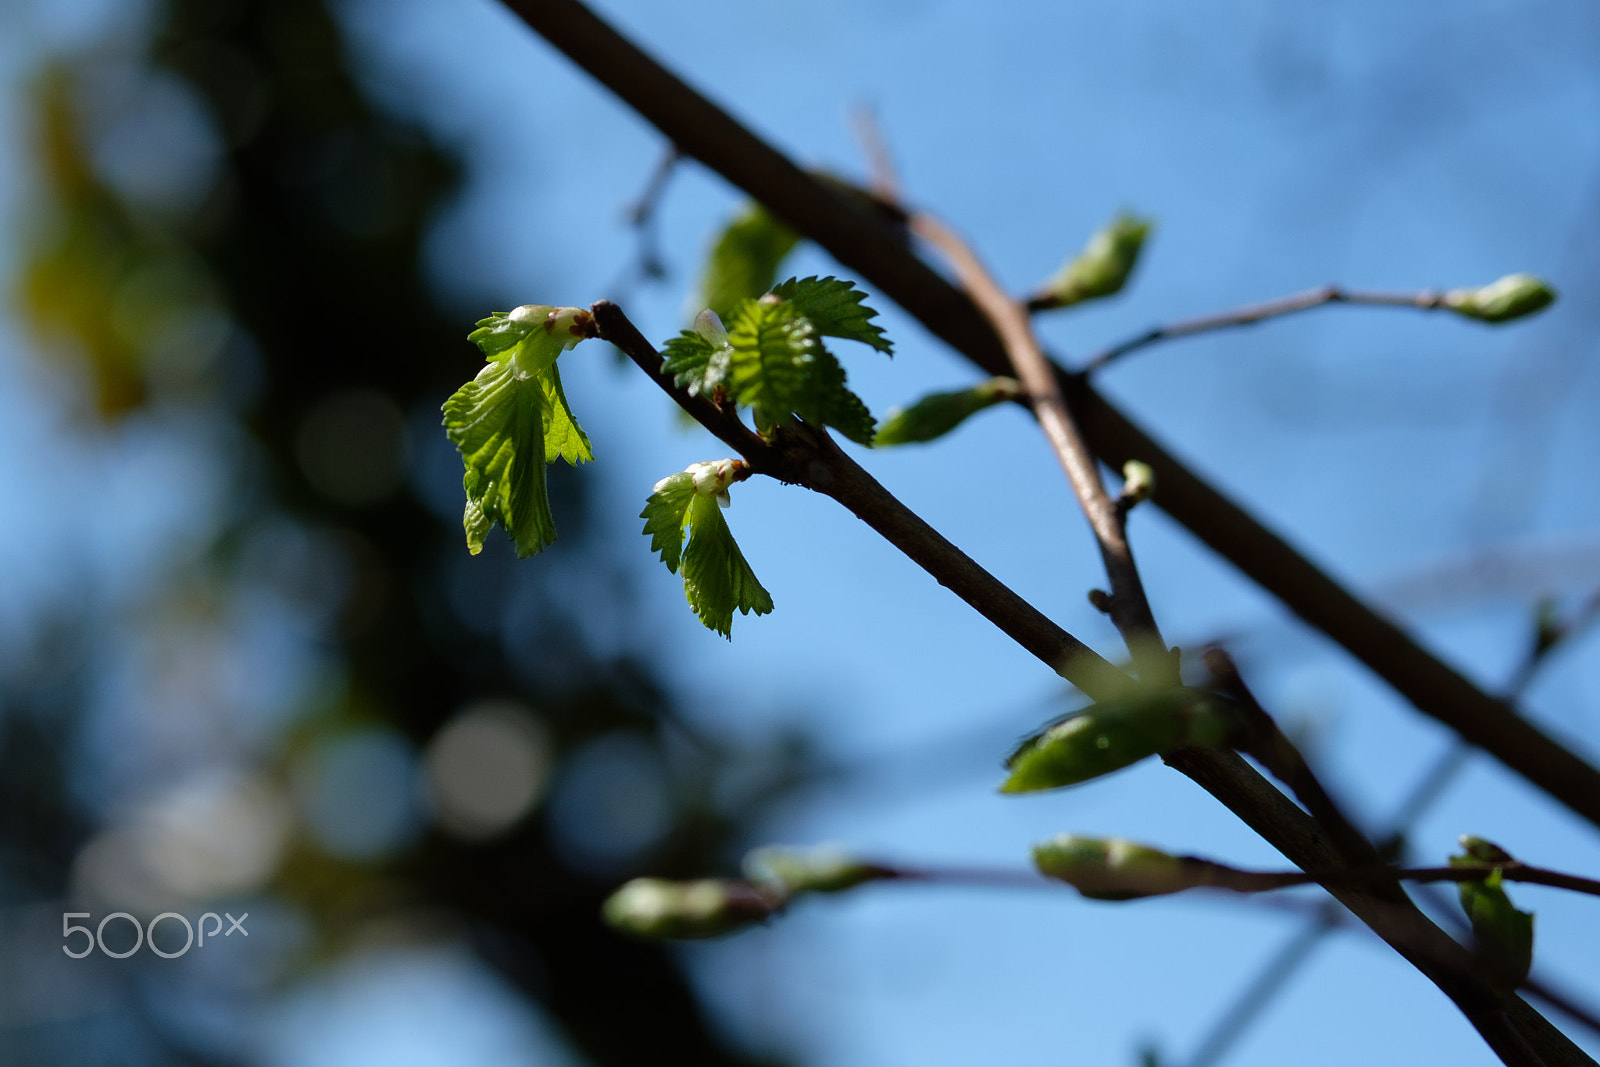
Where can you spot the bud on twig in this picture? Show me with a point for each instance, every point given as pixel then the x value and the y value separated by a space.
pixel 1101 269
pixel 1511 297
pixel 824 869
pixel 1138 484
pixel 1114 869
pixel 654 907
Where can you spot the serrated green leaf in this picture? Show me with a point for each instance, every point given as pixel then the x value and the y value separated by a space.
pixel 563 437
pixel 938 413
pixel 744 262
pixel 778 367
pixel 1504 933
pixel 496 422
pixel 716 578
pixel 695 363
pixel 773 350
pixel 835 308
pixel 665 514
pixel 512 419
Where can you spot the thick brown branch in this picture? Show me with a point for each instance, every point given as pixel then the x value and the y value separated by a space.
pixel 1427 300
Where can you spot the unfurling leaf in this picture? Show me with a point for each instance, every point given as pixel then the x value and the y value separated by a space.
pixel 835 308
pixel 655 908
pixel 1512 297
pixel 744 262
pixel 1504 934
pixel 1102 268
pixel 1113 869
pixel 824 869
pixel 512 419
pixel 938 413
pixel 716 578
pixel 1108 736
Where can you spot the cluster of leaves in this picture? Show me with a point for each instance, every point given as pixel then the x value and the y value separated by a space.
pixel 770 358
pixel 716 578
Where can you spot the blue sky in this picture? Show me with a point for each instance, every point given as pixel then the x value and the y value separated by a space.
pixel 1373 144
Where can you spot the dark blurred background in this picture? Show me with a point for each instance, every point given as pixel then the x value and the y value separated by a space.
pixel 318 709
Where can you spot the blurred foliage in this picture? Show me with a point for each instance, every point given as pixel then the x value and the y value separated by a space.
pixel 225 290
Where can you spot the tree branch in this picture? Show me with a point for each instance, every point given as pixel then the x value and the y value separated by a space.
pixel 801 455
pixel 876 249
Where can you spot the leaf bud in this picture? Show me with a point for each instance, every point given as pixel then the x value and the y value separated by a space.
pixel 1511 297
pixel 1139 482
pixel 714 477
pixel 1479 850
pixel 1108 736
pixel 937 414
pixel 1102 268
pixel 657 908
pixel 824 869
pixel 1110 868
pixel 710 327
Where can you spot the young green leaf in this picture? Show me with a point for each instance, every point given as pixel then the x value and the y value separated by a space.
pixel 744 262
pixel 938 413
pixel 835 308
pixel 1110 735
pixel 1102 268
pixel 716 578
pixel 778 367
pixel 1110 868
pixel 512 419
pixel 656 908
pixel 1504 934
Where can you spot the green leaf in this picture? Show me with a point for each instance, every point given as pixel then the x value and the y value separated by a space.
pixel 716 578
pixel 665 514
pixel 938 413
pixel 778 367
pixel 495 420
pixel 512 419
pixel 744 262
pixel 1504 934
pixel 835 308
pixel 695 364
pixel 1110 735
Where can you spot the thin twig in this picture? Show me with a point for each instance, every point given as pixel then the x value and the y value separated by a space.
pixel 1427 300
pixel 1129 608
